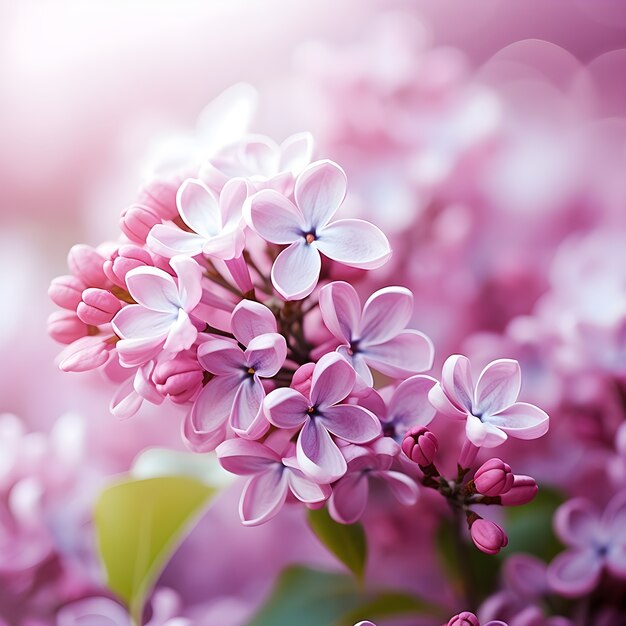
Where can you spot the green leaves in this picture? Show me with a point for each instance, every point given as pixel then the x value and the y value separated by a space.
pixel 309 597
pixel 139 523
pixel 346 541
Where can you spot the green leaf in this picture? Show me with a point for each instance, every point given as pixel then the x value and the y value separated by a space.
pixel 529 527
pixel 139 524
pixel 346 541
pixel 308 597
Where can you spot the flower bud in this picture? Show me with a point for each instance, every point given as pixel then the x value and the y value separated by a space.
pixel 66 291
pixel 136 222
pixel 85 354
pixel 179 378
pixel 65 327
pixel 420 445
pixel 160 196
pixel 524 490
pixel 487 536
pixel 301 380
pixel 98 307
pixel 128 257
pixel 86 263
pixel 464 619
pixel 493 478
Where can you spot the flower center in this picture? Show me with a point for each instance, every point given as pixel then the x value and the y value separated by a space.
pixel 354 347
pixel 310 237
pixel 251 371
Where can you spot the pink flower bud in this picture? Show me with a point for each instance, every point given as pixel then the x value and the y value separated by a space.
pixel 420 445
pixel 301 380
pixel 464 619
pixel 468 454
pixel 160 196
pixel 85 354
pixel 136 222
pixel 488 536
pixel 86 263
pixel 524 490
pixel 128 257
pixel 66 291
pixel 493 478
pixel 98 307
pixel 65 327
pixel 179 378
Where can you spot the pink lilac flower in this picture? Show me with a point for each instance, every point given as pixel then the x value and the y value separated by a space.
pixel 351 491
pixel 307 229
pixel 216 225
pixel 321 415
pixel 488 536
pixel 596 542
pixel 160 322
pixel 490 409
pixel 421 446
pixel 272 478
pixel 376 336
pixel 493 478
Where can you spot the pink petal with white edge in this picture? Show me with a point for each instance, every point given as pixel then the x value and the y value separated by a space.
pixel 266 354
pixel 182 334
pixel 296 152
pixel 222 357
pixel 246 417
pixel 498 386
pixel 409 404
pixel 341 309
pixel 243 457
pixel 232 198
pixel 275 218
pixel 126 401
pixel 136 322
pixel 456 381
pixel 226 246
pixel 441 403
pixel 296 270
pixel 286 408
pixel 135 352
pixel 407 353
pixel 577 522
pixel 189 275
pixel 575 572
pixel 263 497
pixel 355 243
pixel 385 314
pixel 333 380
pixel 320 189
pixel 349 499
pixel 153 288
pixel 169 240
pixel 199 208
pixel 521 420
pixel 403 488
pixel 305 489
pixel 318 455
pixel 482 434
pixel 350 422
pixel 251 319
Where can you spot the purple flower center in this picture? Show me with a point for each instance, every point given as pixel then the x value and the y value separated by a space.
pixel 310 237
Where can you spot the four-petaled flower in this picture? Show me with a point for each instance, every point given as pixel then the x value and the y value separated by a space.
pixel 491 409
pixel 320 416
pixel 376 336
pixel 306 226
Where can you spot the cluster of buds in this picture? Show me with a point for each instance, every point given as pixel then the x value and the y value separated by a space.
pixel 465 618
pixel 225 295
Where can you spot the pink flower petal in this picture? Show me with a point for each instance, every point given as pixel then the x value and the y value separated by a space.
pixel 355 243
pixel 319 192
pixel 409 405
pixel 266 354
pixel 305 489
pixel 274 217
pixel 222 357
pixel 189 275
pixel 521 420
pixel 286 408
pixel 350 422
pixel 153 288
pixel 482 434
pixel 341 309
pixel 318 455
pixel 333 380
pixel 407 353
pixel 498 386
pixel 263 497
pixel 296 152
pixel 182 334
pixel 260 156
pixel 169 240
pixel 575 572
pixel 251 319
pixel 232 198
pixel 577 522
pixel 349 499
pixel 403 488
pixel 385 314
pixel 135 352
pixel 243 457
pixel 136 322
pixel 199 208
pixel 456 381
pixel 358 363
pixel 296 270
pixel 616 559
pixel 440 401
pixel 246 417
